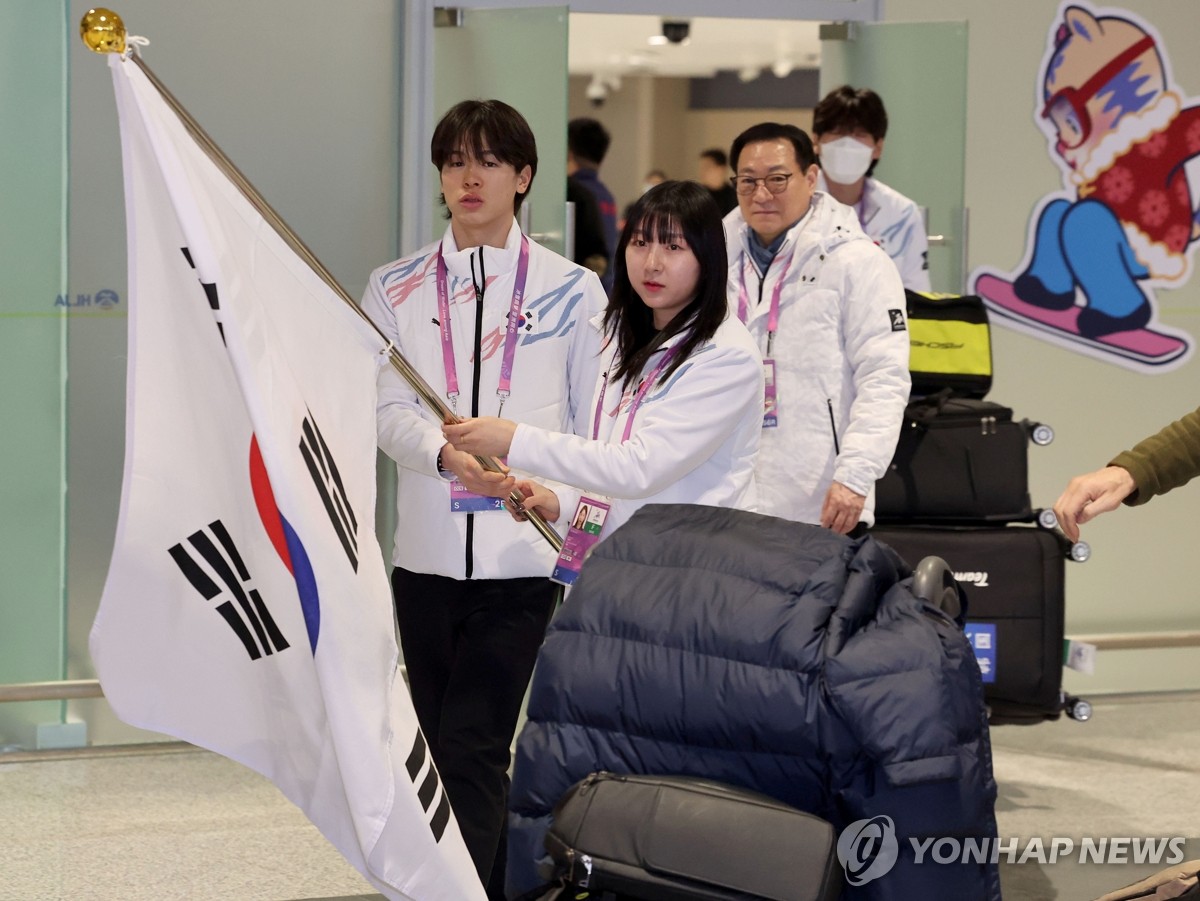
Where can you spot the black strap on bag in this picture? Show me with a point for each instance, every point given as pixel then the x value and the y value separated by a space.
pixel 924 410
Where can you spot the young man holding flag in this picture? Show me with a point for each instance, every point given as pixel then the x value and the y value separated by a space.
pixel 498 325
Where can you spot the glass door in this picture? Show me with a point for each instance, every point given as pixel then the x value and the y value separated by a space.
pixel 920 71
pixel 518 56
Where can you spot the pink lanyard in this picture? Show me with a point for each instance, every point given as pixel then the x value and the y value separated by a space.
pixel 744 298
pixel 512 332
pixel 647 382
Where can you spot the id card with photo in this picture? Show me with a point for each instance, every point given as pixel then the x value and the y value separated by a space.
pixel 464 501
pixel 770 399
pixel 587 526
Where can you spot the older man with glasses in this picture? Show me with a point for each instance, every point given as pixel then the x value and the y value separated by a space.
pixel 826 306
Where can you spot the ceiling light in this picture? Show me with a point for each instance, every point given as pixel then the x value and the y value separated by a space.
pixel 782 67
pixel 656 39
pixel 749 73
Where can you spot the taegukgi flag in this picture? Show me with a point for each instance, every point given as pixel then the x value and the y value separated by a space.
pixel 247 608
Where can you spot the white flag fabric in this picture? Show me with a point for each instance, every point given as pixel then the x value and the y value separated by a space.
pixel 247 608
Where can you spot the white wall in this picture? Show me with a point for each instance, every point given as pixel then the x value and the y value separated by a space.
pixel 1140 577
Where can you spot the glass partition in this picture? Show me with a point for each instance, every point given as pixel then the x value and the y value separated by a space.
pixel 475 59
pixel 34 307
pixel 920 71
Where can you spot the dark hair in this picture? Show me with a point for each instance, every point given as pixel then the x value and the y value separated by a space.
pixel 588 140
pixel 774 131
pixel 849 109
pixel 478 126
pixel 666 209
pixel 716 155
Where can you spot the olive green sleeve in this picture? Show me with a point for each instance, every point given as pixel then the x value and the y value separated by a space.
pixel 1163 461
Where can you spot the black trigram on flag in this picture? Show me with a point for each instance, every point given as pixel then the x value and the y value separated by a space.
pixel 249 619
pixel 210 291
pixel 427 788
pixel 325 476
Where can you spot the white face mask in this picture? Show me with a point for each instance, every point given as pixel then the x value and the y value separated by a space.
pixel 845 160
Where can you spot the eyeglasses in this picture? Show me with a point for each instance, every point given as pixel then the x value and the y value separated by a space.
pixel 776 184
pixel 1067 109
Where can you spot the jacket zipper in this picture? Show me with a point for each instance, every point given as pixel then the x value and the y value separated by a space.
pixel 833 426
pixel 480 287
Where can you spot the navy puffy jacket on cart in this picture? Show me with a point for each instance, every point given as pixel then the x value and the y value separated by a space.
pixel 772 655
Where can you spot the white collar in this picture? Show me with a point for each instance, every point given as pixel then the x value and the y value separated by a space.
pixel 823 211
pixel 498 260
pixel 868 200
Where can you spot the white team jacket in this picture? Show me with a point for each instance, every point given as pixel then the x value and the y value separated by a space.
pixel 554 371
pixel 895 223
pixel 841 359
pixel 694 439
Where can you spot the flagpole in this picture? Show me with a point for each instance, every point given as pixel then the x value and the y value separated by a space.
pixel 103 32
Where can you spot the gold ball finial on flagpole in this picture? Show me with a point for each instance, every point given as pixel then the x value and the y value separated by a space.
pixel 103 31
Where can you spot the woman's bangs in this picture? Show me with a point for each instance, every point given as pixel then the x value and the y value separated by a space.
pixel 659 226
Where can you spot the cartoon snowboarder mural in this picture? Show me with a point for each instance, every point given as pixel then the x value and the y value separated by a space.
pixel 1129 148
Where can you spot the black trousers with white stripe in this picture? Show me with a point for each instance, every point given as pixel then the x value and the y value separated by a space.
pixel 469 646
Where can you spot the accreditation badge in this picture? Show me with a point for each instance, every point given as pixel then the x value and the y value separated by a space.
pixel 587 527
pixel 464 501
pixel 770 399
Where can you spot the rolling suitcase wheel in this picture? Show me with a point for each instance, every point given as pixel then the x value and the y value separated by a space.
pixel 1046 519
pixel 1079 551
pixel 1077 708
pixel 1041 434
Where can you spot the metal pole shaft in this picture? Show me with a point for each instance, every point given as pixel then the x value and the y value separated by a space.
pixel 399 363
pixel 67 690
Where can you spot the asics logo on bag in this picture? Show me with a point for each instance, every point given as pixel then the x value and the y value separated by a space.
pixel 867 849
pixel 937 345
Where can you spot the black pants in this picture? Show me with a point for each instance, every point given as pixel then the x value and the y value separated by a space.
pixel 470 646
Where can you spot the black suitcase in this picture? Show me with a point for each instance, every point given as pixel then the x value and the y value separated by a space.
pixel 670 838
pixel 1013 579
pixel 958 460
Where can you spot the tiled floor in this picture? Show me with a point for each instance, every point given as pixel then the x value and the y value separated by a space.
pixel 189 825
pixel 1132 771
pixel 192 825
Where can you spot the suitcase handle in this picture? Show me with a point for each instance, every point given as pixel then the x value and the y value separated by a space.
pixel 934 583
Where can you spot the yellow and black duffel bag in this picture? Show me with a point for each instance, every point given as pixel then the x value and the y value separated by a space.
pixel 951 344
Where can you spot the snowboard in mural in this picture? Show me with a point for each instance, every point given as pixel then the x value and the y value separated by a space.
pixel 1128 144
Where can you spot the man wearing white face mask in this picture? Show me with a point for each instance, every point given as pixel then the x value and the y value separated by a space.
pixel 849 126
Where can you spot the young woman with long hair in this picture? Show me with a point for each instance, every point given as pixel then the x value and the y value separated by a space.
pixel 678 407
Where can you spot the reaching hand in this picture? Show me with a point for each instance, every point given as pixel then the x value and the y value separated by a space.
pixel 1089 495
pixel 842 508
pixel 484 435
pixel 474 477
pixel 538 498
